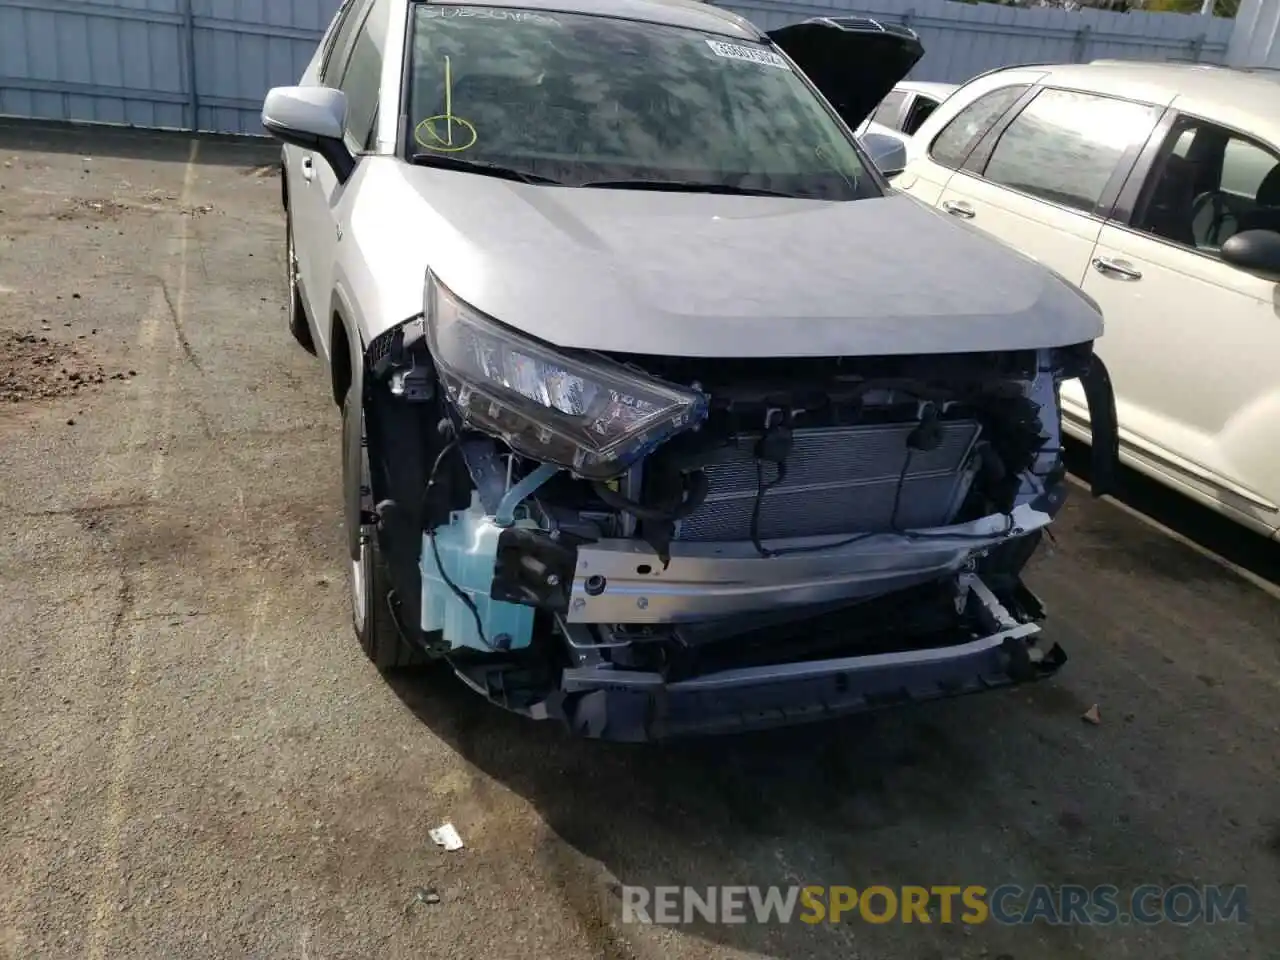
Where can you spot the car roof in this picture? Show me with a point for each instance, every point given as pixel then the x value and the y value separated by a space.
pixel 693 14
pixel 1243 99
pixel 939 91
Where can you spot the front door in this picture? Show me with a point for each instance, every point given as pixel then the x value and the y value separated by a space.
pixel 360 81
pixel 1192 342
pixel 312 184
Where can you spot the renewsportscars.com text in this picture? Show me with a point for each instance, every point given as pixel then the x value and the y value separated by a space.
pixel 1007 904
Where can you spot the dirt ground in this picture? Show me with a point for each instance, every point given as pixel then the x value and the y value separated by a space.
pixel 196 760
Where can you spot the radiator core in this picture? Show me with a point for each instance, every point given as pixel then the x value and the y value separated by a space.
pixel 840 480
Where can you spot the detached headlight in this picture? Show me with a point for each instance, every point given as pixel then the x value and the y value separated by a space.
pixel 594 417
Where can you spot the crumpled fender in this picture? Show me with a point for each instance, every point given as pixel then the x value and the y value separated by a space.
pixel 1103 427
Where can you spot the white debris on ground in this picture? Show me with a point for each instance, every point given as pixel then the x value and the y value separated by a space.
pixel 447 836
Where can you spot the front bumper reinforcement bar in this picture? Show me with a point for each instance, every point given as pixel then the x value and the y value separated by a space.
pixel 607 702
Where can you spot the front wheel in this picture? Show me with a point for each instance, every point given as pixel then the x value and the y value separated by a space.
pixel 373 601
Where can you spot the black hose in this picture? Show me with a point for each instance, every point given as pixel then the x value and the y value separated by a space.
pixel 691 499
pixel 897 492
pixel 761 489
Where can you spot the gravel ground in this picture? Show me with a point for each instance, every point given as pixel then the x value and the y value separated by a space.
pixel 196 761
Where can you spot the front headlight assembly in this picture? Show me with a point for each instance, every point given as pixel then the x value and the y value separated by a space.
pixel 590 415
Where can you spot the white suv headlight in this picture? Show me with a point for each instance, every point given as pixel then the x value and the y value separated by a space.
pixel 590 415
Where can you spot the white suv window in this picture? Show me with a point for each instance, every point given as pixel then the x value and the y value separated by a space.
pixel 1244 166
pixel 952 146
pixel 1065 146
pixel 887 113
pixel 921 108
pixel 1207 184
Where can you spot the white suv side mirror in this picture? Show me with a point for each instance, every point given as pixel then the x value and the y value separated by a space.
pixel 311 118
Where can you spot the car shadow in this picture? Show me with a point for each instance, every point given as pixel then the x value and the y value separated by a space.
pixel 950 792
pixel 129 143
pixel 697 812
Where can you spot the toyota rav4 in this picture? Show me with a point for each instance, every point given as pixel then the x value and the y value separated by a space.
pixel 662 412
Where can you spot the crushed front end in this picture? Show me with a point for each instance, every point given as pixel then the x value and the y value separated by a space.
pixel 649 546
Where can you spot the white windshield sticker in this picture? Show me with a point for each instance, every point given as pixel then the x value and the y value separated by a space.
pixel 483 13
pixel 734 51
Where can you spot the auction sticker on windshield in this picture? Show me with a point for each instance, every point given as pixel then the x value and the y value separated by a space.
pixel 734 51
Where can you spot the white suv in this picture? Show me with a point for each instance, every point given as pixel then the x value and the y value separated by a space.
pixel 1156 188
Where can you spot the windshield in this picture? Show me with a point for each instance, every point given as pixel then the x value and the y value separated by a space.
pixel 580 99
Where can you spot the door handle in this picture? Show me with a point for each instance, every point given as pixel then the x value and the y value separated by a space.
pixel 958 209
pixel 1120 269
pixel 308 169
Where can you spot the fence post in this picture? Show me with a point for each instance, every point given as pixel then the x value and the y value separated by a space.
pixel 1081 44
pixel 189 35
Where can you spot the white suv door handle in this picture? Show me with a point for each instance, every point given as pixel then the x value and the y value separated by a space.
pixel 958 208
pixel 308 168
pixel 1120 269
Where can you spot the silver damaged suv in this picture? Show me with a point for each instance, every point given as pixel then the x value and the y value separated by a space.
pixel 662 412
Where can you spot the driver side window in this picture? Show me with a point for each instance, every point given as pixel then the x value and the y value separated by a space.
pixel 338 44
pixel 362 79
pixel 1209 184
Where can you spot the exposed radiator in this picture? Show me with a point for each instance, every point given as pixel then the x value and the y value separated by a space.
pixel 839 481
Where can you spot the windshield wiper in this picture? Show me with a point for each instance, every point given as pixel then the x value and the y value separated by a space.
pixel 688 186
pixel 483 167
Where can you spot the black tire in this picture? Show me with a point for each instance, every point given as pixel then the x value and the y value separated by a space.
pixel 372 598
pixel 297 312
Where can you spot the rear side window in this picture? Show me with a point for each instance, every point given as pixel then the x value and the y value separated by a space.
pixel 363 76
pixel 1065 146
pixel 953 145
pixel 919 113
pixel 890 107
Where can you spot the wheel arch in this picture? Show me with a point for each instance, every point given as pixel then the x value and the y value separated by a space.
pixel 342 371
pixel 284 179
pixel 346 351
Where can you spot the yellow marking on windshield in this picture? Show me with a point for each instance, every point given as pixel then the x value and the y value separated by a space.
pixel 427 132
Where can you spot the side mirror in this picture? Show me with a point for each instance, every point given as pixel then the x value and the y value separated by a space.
pixel 888 153
pixel 1257 251
pixel 311 118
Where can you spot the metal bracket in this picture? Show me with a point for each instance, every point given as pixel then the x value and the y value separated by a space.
pixel 990 609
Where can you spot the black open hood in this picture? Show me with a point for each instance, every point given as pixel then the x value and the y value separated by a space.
pixel 854 61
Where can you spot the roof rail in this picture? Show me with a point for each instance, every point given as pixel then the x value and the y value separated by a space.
pixel 1008 66
pixel 1184 62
